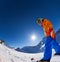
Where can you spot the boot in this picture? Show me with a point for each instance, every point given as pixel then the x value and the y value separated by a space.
pixel 56 54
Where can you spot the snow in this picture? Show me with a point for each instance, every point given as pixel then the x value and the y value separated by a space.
pixel 10 55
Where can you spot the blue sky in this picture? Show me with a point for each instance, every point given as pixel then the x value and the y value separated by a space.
pixel 18 20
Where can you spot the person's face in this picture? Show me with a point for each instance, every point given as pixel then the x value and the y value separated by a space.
pixel 40 22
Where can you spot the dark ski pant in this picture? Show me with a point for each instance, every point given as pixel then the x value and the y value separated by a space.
pixel 49 44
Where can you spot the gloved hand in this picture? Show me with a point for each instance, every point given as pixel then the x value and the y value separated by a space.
pixel 53 34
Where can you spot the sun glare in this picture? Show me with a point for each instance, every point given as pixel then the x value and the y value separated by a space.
pixel 33 37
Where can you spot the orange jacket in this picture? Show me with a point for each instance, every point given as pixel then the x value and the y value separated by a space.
pixel 48 28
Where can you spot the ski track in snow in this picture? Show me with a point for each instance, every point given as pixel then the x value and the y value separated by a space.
pixel 10 55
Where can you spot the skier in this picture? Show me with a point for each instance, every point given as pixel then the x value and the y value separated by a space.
pixel 50 39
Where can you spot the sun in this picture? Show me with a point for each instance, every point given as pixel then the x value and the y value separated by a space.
pixel 33 37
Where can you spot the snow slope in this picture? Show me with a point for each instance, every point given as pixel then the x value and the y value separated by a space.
pixel 10 55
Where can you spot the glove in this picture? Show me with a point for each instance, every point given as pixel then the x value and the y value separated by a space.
pixel 53 34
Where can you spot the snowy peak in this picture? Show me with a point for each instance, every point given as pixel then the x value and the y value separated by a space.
pixel 58 31
pixel 2 41
pixel 58 36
